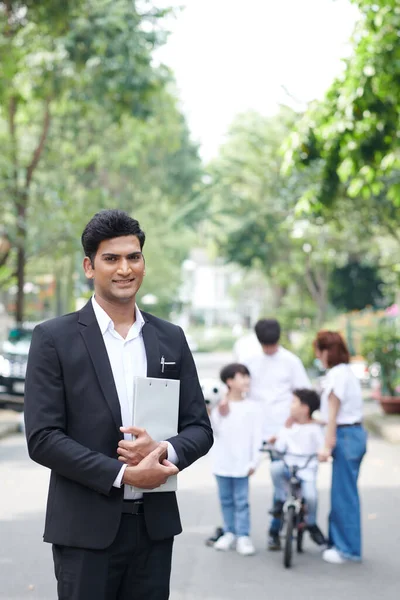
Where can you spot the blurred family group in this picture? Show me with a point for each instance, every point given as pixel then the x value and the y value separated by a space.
pixel 269 399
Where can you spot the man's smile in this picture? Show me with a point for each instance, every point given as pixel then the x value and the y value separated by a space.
pixel 123 281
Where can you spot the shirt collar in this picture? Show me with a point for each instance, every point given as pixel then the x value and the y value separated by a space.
pixel 105 322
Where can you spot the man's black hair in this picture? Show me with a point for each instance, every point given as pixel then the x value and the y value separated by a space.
pixel 108 224
pixel 230 371
pixel 268 331
pixel 308 397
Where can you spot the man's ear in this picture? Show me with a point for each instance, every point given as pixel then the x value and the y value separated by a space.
pixel 88 268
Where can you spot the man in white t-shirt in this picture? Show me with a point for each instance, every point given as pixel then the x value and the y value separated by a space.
pixel 275 374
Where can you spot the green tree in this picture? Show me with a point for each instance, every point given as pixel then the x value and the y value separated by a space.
pixel 148 168
pixel 351 138
pixel 258 222
pixel 82 53
pixel 356 286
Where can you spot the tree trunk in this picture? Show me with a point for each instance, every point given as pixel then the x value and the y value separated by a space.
pixel 22 199
pixel 21 260
pixel 21 257
pixel 316 279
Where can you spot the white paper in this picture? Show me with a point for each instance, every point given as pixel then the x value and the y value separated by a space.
pixel 156 408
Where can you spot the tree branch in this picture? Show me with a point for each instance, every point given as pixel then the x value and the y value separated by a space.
pixel 4 258
pixel 12 111
pixel 39 148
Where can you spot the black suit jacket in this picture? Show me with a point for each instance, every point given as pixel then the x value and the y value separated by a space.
pixel 72 418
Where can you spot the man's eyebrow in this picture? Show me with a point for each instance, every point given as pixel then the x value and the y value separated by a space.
pixel 118 255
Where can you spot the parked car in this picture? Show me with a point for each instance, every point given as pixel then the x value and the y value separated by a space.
pixel 13 359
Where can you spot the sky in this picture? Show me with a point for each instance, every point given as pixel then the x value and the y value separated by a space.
pixel 230 56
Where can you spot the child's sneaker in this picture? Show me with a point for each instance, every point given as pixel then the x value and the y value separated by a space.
pixel 219 532
pixel 316 535
pixel 244 546
pixel 226 542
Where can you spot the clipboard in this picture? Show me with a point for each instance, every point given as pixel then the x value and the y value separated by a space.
pixel 156 408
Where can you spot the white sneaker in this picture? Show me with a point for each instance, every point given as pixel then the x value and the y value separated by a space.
pixel 244 546
pixel 333 556
pixel 225 542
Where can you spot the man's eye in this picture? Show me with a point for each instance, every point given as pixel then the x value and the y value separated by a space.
pixel 136 256
pixel 110 258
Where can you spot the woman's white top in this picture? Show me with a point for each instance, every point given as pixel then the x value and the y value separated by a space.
pixel 237 439
pixel 305 439
pixel 344 384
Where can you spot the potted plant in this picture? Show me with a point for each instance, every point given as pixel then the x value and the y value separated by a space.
pixel 382 346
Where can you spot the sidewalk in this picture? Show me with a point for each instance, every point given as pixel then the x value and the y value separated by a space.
pixel 381 424
pixel 10 422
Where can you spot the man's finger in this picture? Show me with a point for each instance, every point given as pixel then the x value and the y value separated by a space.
pixel 172 469
pixel 122 459
pixel 158 452
pixel 126 444
pixel 133 430
pixel 126 451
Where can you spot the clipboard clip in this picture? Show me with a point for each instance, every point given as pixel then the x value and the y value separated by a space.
pixel 163 363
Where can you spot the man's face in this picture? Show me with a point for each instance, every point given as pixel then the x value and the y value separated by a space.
pixel 270 349
pixel 118 269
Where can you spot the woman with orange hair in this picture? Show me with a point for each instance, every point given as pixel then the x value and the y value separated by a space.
pixel 345 441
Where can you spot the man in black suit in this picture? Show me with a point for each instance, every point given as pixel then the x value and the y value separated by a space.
pixel 110 543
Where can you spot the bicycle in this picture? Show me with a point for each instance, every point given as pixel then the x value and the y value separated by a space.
pixel 294 508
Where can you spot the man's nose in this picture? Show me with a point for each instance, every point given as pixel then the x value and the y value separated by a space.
pixel 124 267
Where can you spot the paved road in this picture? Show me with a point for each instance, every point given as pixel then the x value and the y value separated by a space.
pixel 200 572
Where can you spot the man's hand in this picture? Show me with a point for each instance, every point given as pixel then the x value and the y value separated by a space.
pixel 132 453
pixel 151 472
pixel 251 472
pixel 324 454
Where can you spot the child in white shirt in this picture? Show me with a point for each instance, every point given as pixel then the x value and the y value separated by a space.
pixel 305 437
pixel 237 426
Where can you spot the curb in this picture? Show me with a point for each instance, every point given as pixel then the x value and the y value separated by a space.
pixel 384 426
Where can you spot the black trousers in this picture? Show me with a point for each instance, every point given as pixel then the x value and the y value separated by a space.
pixel 132 568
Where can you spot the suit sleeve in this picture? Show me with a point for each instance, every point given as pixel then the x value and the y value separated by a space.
pixel 195 436
pixel 46 422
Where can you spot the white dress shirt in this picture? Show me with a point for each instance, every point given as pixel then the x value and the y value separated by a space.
pixel 128 360
pixel 273 379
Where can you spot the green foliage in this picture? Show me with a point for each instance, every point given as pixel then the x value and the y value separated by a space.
pixel 257 222
pixel 355 286
pixel 382 345
pixel 352 137
pixel 89 121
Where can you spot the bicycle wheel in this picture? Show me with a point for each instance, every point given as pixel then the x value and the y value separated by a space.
pixel 290 523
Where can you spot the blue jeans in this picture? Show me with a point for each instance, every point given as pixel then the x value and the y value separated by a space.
pixel 234 498
pixel 280 477
pixel 345 518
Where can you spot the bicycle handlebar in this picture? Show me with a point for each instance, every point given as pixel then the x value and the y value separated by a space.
pixel 273 452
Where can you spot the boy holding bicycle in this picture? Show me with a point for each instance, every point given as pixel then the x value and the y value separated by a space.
pixel 303 437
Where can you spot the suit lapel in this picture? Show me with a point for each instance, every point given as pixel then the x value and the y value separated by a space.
pixel 95 345
pixel 152 350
